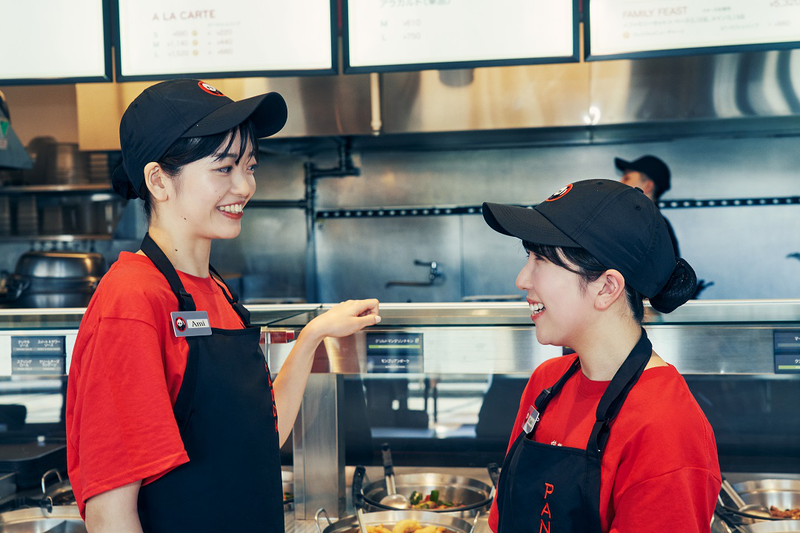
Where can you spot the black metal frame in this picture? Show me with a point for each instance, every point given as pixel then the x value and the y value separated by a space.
pixel 232 74
pixel 673 52
pixel 349 69
pixel 107 67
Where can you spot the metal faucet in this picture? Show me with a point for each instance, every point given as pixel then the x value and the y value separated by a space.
pixel 435 273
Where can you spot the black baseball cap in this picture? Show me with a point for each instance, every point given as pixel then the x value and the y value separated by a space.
pixel 169 110
pixel 652 167
pixel 617 224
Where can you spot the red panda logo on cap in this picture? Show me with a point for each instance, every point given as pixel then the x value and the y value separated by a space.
pixel 210 89
pixel 559 194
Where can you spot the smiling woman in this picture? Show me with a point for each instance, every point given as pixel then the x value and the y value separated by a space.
pixel 170 402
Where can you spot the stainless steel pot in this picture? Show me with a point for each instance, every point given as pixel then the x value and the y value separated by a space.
pixel 474 495
pixel 53 279
pixel 777 526
pixel 782 493
pixel 36 520
pixel 389 518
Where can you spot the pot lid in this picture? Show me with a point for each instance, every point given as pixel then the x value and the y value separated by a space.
pixel 61 264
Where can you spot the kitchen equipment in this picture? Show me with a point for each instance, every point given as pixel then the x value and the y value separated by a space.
pixel 764 493
pixel 358 497
pixel 392 498
pixel 474 495
pixel 53 279
pixel 29 460
pixel 62 518
pixel 388 519
pixel 287 480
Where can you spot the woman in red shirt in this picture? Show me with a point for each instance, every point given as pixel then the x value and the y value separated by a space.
pixel 171 411
pixel 608 439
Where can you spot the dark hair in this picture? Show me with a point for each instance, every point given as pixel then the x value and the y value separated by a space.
pixel 190 149
pixel 679 288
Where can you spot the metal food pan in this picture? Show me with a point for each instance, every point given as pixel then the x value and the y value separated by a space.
pixel 388 519
pixel 474 495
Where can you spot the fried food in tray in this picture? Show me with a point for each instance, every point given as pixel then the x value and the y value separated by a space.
pixel 793 514
pixel 407 526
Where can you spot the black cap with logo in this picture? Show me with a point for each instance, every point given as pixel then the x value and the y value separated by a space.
pixel 652 167
pixel 173 109
pixel 615 223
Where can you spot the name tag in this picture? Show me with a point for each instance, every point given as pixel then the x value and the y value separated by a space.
pixel 190 323
pixel 530 420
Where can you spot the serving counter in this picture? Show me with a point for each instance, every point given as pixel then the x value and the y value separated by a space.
pixel 441 382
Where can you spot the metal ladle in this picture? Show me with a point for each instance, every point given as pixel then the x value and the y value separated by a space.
pixel 392 498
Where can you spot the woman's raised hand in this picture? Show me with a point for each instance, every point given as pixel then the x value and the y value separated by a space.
pixel 346 318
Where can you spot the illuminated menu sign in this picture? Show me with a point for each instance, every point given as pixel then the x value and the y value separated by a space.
pixel 385 35
pixel 638 28
pixel 212 38
pixel 49 42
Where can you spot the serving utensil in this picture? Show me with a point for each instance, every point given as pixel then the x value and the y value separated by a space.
pixel 358 497
pixel 392 498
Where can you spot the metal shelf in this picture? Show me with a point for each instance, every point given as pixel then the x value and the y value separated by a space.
pixel 60 238
pixel 83 188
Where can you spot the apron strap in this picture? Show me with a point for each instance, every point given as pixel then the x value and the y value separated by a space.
pixel 547 394
pixel 233 299
pixel 616 393
pixel 159 259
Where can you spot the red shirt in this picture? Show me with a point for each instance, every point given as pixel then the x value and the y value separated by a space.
pixel 127 368
pixel 659 471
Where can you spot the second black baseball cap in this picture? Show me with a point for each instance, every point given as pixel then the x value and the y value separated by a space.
pixel 652 167
pixel 173 109
pixel 615 223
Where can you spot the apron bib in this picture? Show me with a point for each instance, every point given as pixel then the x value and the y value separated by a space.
pixel 226 415
pixel 556 489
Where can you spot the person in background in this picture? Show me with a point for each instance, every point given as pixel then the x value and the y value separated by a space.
pixel 173 421
pixel 652 176
pixel 608 439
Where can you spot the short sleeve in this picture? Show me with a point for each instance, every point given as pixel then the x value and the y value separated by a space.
pixel 681 500
pixel 122 425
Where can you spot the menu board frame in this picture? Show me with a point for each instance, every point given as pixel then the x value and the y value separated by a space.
pixel 673 52
pixel 231 74
pixel 107 75
pixel 347 68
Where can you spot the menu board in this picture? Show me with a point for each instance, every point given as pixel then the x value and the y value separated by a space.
pixel 41 43
pixel 650 28
pixel 231 38
pixel 394 35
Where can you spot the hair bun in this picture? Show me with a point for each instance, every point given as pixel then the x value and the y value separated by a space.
pixel 678 290
pixel 122 185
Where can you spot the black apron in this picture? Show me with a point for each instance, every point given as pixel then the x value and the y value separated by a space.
pixel 556 489
pixel 227 419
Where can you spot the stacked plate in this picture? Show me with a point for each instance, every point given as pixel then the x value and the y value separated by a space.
pixel 27 217
pixel 98 171
pixel 5 216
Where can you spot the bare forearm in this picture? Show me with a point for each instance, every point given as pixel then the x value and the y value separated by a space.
pixel 114 511
pixel 292 379
pixel 340 321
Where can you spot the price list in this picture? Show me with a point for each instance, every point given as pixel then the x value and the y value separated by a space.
pixel 787 351
pixel 52 40
pixel 394 353
pixel 437 32
pixel 38 354
pixel 629 27
pixel 235 37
